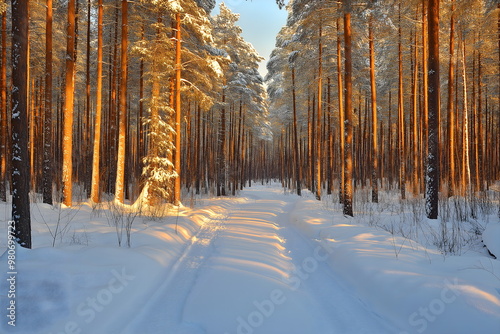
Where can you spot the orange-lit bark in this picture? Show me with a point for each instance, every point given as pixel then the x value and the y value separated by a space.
pixel 67 147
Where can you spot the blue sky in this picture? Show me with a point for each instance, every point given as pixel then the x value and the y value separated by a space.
pixel 260 20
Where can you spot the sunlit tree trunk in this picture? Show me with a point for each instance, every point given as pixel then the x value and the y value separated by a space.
pixel 401 116
pixel 340 92
pixel 87 128
pixel 319 107
pixel 425 84
pixel 177 186
pixel 221 158
pixel 415 120
pixel 330 141
pixel 479 129
pixel 140 126
pixel 310 147
pixel 476 124
pixel 67 147
pixel 348 182
pixel 95 193
pixel 466 175
pixel 198 154
pixel 373 86
pixel 19 124
pixel 451 107
pixel 390 164
pixel 111 128
pixel 298 169
pixel 122 120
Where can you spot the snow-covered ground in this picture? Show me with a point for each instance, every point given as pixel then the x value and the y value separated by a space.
pixel 264 262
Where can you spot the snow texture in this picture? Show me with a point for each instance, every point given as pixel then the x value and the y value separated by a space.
pixel 265 262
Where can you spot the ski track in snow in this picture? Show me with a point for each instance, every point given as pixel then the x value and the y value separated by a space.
pixel 253 272
pixel 165 308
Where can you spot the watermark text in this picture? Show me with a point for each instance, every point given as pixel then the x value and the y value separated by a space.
pixel 11 273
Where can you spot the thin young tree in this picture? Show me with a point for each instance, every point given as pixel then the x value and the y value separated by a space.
pixel 19 124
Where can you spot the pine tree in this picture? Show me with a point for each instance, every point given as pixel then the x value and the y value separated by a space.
pixel 373 88
pixel 348 177
pixel 67 148
pixel 3 111
pixel 158 171
pixel 95 179
pixel 177 110
pixel 47 127
pixel 122 119
pixel 451 108
pixel 19 124
pixel 432 176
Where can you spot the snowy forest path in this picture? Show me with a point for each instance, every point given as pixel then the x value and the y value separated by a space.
pixel 165 308
pixel 250 271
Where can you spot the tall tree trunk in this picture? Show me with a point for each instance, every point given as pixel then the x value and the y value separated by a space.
pixel 477 126
pixel 425 84
pixel 199 136
pixel 178 65
pixel 390 146
pixel 298 169
pixel 373 86
pixel 140 125
pixel 432 177
pixel 122 120
pixel 340 93
pixel 111 130
pixel 19 124
pixel 221 158
pixel 3 113
pixel 415 121
pixel 320 113
pixel 330 141
pixel 401 116
pixel 466 174
pixel 310 147
pixel 67 172
pixel 237 149
pixel 451 108
pixel 348 182
pixel 87 128
pixel 47 115
pixel 95 193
